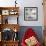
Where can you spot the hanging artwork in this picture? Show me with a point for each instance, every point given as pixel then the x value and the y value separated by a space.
pixel 30 13
pixel 15 3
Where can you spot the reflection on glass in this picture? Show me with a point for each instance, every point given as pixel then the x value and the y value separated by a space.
pixel 9 34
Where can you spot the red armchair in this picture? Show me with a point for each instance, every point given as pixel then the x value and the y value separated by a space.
pixel 28 34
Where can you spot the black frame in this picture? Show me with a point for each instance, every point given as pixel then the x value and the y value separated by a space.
pixel 36 14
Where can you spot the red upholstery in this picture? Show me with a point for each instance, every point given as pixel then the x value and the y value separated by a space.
pixel 29 33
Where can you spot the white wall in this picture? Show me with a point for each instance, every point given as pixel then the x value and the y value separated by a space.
pixel 26 3
pixel 34 3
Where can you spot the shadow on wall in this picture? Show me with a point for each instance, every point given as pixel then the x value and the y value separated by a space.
pixel 37 29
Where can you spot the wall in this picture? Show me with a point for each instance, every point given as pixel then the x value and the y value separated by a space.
pixel 26 3
pixel 30 3
pixel 44 12
pixel 37 29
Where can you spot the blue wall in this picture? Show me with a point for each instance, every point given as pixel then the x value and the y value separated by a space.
pixel 37 29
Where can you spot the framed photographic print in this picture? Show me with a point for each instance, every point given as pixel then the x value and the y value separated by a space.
pixel 5 20
pixel 5 12
pixel 30 13
pixel 13 12
pixel 13 20
pixel 6 34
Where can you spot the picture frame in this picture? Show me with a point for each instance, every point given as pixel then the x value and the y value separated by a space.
pixel 10 19
pixel 13 12
pixel 13 20
pixel 0 36
pixel 7 34
pixel 30 13
pixel 5 12
pixel 5 20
